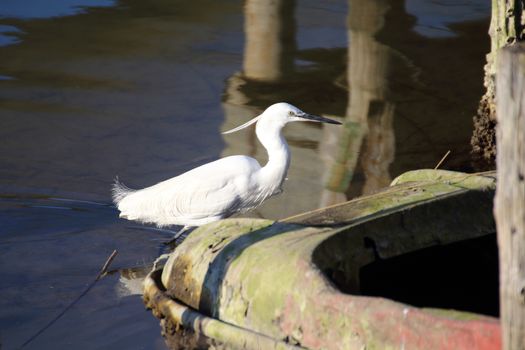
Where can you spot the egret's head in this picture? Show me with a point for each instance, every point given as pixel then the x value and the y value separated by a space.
pixel 285 112
pixel 282 113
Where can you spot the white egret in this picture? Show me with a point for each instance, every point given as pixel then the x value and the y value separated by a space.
pixel 219 189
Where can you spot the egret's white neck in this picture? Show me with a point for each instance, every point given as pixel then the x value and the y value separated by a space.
pixel 269 134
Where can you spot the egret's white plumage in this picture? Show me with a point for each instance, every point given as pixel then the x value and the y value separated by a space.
pixel 221 188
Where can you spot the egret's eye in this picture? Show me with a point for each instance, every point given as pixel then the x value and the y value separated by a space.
pixel 291 113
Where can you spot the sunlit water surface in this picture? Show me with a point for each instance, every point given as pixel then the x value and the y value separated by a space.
pixel 94 88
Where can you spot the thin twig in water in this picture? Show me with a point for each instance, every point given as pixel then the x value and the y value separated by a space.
pixel 101 274
pixel 442 159
pixel 104 269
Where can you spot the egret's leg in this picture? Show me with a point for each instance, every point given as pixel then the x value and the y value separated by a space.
pixel 160 259
pixel 149 228
pixel 165 256
pixel 182 230
pixel 177 235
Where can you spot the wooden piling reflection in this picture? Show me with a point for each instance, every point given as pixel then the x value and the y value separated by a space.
pixel 369 116
pixel 269 39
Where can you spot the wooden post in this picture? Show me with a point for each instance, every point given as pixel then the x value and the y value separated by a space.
pixel 506 28
pixel 510 195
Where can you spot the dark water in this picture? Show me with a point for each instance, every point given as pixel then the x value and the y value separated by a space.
pixel 92 89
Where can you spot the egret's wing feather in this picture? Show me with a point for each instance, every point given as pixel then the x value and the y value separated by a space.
pixel 213 190
pixel 119 191
pixel 198 199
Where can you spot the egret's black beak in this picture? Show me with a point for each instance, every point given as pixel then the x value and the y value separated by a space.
pixel 319 119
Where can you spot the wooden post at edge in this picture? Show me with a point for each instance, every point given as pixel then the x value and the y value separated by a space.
pixel 509 207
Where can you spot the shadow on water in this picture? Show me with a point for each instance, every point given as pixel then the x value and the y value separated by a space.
pixel 133 88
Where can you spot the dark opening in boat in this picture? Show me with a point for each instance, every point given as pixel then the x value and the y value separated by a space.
pixel 461 276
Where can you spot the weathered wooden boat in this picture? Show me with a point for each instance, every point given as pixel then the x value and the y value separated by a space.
pixel 326 279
